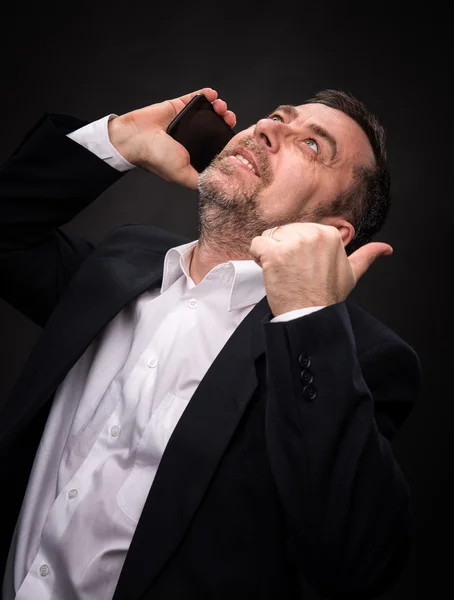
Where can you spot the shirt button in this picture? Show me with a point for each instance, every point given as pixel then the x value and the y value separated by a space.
pixel 72 494
pixel 115 430
pixel 152 362
pixel 192 303
pixel 44 570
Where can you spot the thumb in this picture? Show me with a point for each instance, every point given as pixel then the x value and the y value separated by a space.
pixel 361 259
pixel 176 105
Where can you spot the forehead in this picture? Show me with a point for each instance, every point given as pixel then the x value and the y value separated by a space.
pixel 351 139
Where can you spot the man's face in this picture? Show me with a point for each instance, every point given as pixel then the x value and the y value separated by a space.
pixel 303 157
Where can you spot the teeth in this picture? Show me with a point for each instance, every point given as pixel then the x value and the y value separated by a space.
pixel 245 161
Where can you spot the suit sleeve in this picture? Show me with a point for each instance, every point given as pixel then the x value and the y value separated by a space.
pixel 330 419
pixel 46 182
pixel 95 137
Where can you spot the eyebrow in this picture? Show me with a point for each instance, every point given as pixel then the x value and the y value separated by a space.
pixel 290 111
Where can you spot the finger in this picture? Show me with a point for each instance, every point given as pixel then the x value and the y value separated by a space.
pixel 259 248
pixel 210 94
pixel 220 106
pixel 230 118
pixel 362 258
pixel 177 104
pixel 267 232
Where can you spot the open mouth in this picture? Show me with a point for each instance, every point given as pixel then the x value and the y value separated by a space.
pixel 243 162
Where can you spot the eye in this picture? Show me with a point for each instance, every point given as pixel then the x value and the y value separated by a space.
pixel 315 147
pixel 309 142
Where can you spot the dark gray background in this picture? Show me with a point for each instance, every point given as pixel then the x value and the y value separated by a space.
pixel 92 59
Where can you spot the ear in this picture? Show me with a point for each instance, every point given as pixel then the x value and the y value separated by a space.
pixel 346 229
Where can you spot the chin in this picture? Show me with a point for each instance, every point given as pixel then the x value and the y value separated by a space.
pixel 220 180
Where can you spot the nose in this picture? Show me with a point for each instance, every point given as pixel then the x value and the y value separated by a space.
pixel 268 133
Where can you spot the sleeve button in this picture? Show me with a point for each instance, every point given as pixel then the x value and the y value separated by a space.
pixel 307 376
pixel 309 392
pixel 304 361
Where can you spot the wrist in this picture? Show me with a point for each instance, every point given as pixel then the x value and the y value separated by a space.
pixel 121 135
pixel 280 308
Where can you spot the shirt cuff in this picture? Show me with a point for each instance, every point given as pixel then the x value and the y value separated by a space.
pixel 95 137
pixel 294 314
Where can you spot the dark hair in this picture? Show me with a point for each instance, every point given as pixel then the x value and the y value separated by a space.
pixel 366 203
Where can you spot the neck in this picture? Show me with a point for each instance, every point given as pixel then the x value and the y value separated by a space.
pixel 227 228
pixel 206 256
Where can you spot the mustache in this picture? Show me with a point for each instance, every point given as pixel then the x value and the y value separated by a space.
pixel 251 145
pixel 260 155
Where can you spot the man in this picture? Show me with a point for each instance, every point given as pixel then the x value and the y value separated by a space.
pixel 266 399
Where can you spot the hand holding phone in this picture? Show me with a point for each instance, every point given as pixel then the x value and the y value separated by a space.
pixel 141 137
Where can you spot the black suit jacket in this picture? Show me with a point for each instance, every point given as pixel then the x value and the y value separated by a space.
pixel 279 480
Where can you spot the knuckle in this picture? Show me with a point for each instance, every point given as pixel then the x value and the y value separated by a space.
pixel 316 235
pixel 308 233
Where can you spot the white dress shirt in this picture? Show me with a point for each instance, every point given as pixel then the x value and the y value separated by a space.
pixel 113 415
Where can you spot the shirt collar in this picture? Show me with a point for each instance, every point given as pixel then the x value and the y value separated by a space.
pixel 244 278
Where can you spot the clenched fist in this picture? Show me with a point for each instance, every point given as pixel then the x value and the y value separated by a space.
pixel 305 264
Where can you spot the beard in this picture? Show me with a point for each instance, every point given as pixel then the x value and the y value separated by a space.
pixel 230 214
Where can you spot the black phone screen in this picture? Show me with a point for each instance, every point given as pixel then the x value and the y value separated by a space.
pixel 201 131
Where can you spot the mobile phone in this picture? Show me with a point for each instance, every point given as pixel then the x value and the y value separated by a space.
pixel 200 129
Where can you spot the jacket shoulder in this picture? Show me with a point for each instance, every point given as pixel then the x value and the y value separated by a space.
pixel 387 362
